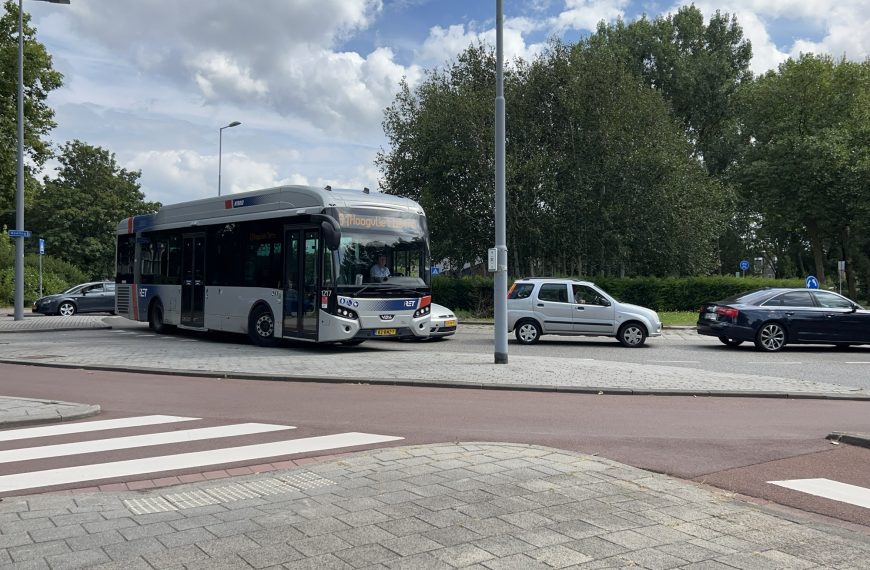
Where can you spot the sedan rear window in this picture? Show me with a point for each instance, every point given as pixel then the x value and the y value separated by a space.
pixel 756 297
pixel 555 292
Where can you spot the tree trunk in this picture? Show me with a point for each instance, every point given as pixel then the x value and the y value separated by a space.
pixel 818 252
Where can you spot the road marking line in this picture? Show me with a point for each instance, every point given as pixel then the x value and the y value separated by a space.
pixel 676 361
pixel 63 429
pixel 94 472
pixel 769 362
pixel 130 442
pixel 860 362
pixel 829 489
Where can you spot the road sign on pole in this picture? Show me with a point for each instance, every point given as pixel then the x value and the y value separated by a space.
pixel 812 282
pixel 41 246
pixel 20 233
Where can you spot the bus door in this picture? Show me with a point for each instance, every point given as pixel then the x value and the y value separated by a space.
pixel 301 281
pixel 193 280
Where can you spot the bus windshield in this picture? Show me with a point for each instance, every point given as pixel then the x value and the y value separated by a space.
pixel 381 251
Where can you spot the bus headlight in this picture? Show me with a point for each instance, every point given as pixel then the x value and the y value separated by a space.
pixel 422 312
pixel 346 313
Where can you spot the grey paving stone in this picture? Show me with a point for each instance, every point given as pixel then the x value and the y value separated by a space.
pixel 451 535
pixel 542 537
pixel 176 556
pixel 405 526
pixel 323 562
pixel 655 559
pixel 490 526
pixel 233 528
pixel 35 551
pixel 225 562
pixel 183 537
pixel 411 544
pixel 423 561
pixel 57 533
pixel 80 559
pixel 501 546
pixel 559 556
pixel 154 529
pixel 133 548
pixel 363 518
pixel 688 551
pixel 113 524
pixel 463 555
pixel 365 535
pixel 318 527
pixel 14 539
pixel 278 535
pixel 227 545
pixel 194 522
pixel 527 520
pixel 271 555
pixel 325 544
pixel 134 564
pixel 366 555
pixel 94 540
pixel 596 547
pixel 27 525
pixel 516 562
pixel 76 518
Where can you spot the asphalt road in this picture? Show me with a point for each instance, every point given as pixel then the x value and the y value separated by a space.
pixel 735 443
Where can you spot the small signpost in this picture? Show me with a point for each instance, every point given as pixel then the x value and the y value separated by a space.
pixel 812 282
pixel 744 265
pixel 41 253
pixel 19 233
pixel 435 271
pixel 841 269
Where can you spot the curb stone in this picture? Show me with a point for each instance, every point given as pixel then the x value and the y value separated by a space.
pixel 47 411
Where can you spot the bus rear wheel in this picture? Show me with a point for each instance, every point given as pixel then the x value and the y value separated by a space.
pixel 261 327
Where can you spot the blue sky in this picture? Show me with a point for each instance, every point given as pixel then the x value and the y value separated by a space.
pixel 154 80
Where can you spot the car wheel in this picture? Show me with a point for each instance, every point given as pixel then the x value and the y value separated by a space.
pixel 261 327
pixel 528 332
pixel 632 335
pixel 771 337
pixel 730 341
pixel 156 319
pixel 66 309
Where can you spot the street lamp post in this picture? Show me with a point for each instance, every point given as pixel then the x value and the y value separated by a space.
pixel 19 181
pixel 220 149
pixel 500 281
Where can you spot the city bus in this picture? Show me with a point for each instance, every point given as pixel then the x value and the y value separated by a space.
pixel 292 262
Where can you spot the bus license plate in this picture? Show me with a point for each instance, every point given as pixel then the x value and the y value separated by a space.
pixel 385 332
pixel 449 323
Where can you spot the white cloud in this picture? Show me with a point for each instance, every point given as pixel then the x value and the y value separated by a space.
pixel 444 44
pixel 586 14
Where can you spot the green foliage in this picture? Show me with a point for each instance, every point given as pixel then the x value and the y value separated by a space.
pixel 469 294
pixel 57 275
pixel 39 80
pixel 78 211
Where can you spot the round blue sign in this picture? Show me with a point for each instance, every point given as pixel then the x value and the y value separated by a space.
pixel 744 265
pixel 812 282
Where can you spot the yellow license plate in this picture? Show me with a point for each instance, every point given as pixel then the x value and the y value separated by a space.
pixel 449 323
pixel 385 332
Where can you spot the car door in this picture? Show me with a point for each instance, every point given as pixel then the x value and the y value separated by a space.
pixel 593 313
pixel 798 312
pixel 89 299
pixel 553 309
pixel 841 321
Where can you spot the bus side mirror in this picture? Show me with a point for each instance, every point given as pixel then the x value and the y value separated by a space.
pixel 329 229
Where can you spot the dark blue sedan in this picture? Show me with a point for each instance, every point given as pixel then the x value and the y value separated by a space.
pixel 772 318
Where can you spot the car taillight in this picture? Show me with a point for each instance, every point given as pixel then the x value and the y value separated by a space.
pixel 727 312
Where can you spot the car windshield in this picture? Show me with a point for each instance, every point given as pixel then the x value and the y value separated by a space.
pixel 381 252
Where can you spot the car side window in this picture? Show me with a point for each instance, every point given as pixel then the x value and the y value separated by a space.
pixel 522 291
pixel 794 299
pixel 95 289
pixel 832 301
pixel 584 295
pixel 110 287
pixel 554 292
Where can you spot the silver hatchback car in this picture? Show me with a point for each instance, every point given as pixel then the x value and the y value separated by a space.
pixel 539 306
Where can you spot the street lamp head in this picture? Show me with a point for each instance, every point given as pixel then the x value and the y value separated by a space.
pixel 233 124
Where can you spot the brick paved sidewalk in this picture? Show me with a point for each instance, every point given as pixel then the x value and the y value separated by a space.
pixel 480 506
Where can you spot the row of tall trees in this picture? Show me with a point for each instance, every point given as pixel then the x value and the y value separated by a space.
pixel 77 209
pixel 646 148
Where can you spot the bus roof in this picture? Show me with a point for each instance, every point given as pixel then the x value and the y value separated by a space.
pixel 266 203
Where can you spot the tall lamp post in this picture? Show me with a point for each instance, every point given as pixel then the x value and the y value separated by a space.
pixel 220 149
pixel 19 189
pixel 500 281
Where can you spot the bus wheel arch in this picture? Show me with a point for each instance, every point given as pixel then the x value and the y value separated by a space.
pixel 157 317
pixel 261 325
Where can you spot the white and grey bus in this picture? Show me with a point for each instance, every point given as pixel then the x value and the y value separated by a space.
pixel 289 262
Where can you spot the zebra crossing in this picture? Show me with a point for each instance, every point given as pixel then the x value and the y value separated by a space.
pixel 92 452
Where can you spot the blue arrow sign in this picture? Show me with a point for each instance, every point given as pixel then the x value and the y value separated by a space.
pixel 744 265
pixel 812 282
pixel 20 233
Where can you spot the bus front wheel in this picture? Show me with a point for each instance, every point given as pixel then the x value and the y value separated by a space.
pixel 261 327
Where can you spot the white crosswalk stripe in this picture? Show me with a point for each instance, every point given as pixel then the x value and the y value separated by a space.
pixel 135 441
pixel 829 489
pixel 46 464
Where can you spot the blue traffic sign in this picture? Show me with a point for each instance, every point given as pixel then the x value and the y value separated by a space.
pixel 41 246
pixel 20 233
pixel 435 271
pixel 812 282
pixel 744 265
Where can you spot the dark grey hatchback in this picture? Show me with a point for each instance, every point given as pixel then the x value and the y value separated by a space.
pixel 95 297
pixel 772 318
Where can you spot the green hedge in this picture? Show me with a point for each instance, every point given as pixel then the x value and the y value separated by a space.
pixel 474 294
pixel 57 275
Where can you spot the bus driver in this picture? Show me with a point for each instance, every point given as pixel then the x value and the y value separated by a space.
pixel 380 271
